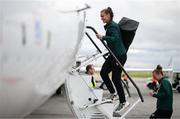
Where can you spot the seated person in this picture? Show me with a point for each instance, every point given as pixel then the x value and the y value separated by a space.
pixel 91 71
pixel 93 83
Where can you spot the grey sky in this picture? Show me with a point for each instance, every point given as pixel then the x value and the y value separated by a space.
pixel 158 36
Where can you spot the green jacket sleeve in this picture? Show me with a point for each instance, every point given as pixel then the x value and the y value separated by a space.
pixel 112 34
pixel 166 91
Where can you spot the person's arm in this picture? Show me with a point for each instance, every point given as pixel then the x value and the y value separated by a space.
pixel 166 93
pixel 112 36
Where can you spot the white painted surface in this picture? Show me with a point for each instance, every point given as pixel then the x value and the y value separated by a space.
pixel 31 72
pixel 78 92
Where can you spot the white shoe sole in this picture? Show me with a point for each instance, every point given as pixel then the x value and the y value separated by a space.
pixel 124 107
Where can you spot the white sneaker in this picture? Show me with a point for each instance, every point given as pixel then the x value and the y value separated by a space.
pixel 122 106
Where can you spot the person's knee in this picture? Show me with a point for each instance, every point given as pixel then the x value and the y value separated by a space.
pixel 103 73
pixel 116 80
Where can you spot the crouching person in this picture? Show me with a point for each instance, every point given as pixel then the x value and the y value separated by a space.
pixel 164 96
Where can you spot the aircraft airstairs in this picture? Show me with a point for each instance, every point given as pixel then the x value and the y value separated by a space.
pixel 89 103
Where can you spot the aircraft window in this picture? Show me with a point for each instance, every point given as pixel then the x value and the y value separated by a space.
pixel 23 27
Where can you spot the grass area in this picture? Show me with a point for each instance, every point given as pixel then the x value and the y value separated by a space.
pixel 143 74
pixel 136 74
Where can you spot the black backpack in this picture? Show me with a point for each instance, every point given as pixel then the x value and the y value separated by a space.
pixel 128 29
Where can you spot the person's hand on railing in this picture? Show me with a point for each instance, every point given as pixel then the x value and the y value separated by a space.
pixel 99 36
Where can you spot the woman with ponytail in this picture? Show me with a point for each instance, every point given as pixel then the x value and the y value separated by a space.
pixel 114 41
pixel 164 96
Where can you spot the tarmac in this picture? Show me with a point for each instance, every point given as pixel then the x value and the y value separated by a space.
pixel 57 106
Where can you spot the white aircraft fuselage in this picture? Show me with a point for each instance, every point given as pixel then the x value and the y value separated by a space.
pixel 38 43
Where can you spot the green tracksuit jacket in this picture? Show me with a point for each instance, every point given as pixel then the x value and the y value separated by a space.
pixel 113 38
pixel 164 95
